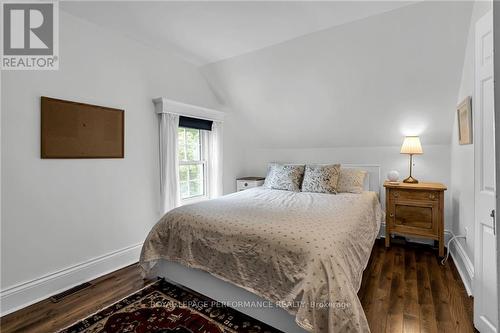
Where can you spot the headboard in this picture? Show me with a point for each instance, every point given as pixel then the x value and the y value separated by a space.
pixel 373 175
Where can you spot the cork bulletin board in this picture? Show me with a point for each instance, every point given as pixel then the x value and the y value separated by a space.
pixel 78 130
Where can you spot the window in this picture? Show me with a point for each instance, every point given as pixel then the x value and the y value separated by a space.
pixel 192 164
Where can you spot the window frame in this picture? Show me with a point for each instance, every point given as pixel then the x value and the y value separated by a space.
pixel 203 161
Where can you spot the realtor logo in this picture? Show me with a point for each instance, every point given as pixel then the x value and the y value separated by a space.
pixel 30 35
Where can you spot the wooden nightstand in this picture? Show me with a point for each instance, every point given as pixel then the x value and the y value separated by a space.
pixel 415 210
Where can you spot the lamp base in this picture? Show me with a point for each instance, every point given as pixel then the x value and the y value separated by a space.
pixel 410 180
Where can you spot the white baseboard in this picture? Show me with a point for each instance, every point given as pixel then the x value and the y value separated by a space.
pixel 464 265
pixel 26 293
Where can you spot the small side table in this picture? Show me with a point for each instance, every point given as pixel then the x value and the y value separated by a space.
pixel 245 183
pixel 415 210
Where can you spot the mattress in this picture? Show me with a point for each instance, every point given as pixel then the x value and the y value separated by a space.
pixel 306 252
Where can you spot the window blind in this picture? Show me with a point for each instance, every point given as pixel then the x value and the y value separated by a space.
pixel 195 123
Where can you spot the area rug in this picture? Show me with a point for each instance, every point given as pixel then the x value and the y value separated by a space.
pixel 164 307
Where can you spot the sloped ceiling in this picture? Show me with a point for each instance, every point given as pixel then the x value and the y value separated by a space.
pixel 364 83
pixel 209 31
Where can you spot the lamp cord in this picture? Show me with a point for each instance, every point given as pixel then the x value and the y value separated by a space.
pixel 448 246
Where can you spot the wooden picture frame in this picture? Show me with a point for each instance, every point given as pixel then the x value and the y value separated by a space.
pixel 78 130
pixel 464 116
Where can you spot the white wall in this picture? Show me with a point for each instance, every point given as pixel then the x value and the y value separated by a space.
pixel 350 93
pixel 365 83
pixel 462 156
pixel 59 213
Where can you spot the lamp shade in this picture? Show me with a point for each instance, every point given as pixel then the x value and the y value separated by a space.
pixel 411 145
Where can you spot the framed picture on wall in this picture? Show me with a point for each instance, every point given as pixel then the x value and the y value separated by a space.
pixel 464 114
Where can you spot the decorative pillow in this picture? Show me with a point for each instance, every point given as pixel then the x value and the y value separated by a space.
pixel 321 178
pixel 351 180
pixel 284 176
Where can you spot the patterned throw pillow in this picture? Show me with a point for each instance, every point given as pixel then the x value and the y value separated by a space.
pixel 351 180
pixel 321 178
pixel 284 177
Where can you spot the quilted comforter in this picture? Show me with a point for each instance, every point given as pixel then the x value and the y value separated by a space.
pixel 306 252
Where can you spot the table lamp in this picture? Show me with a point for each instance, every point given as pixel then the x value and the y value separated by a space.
pixel 411 146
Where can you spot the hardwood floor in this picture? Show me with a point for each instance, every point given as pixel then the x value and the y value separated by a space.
pixel 46 316
pixel 404 289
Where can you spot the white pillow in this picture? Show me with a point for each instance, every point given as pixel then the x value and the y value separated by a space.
pixel 351 180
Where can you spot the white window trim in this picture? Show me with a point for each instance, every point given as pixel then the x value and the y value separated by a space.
pixel 165 105
pixel 192 200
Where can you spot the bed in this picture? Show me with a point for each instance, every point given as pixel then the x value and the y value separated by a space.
pixel 297 257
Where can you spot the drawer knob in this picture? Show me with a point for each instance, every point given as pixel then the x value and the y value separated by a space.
pixel 391 214
pixel 396 194
pixel 246 184
pixel 432 196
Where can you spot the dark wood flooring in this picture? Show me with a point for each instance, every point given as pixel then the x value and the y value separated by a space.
pixel 404 289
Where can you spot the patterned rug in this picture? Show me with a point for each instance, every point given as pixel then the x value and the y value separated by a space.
pixel 163 307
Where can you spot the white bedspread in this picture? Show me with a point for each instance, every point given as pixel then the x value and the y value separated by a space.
pixel 304 251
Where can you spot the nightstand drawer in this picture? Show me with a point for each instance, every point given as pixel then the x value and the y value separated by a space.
pixel 243 184
pixel 415 195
